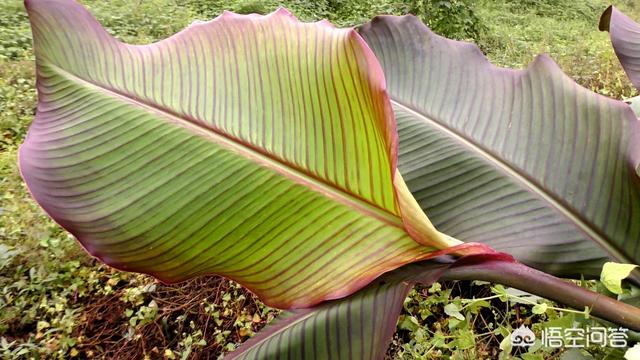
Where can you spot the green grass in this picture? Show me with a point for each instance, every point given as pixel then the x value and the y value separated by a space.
pixel 57 302
pixel 567 31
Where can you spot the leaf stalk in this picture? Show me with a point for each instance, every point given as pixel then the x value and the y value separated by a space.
pixel 520 276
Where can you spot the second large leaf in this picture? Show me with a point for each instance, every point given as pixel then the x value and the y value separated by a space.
pixel 525 160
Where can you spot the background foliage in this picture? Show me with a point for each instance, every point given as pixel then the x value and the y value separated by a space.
pixel 56 302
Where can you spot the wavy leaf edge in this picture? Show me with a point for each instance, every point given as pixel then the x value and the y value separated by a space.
pixel 416 224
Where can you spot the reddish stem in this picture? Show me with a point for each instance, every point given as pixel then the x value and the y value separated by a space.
pixel 522 277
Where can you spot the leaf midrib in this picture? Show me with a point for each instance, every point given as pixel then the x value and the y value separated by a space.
pixel 522 178
pixel 245 149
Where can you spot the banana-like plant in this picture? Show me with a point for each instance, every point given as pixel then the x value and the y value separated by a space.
pixel 266 150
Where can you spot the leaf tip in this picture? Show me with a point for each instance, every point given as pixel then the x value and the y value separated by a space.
pixel 543 63
pixel 282 11
pixel 325 22
pixel 30 4
pixel 605 19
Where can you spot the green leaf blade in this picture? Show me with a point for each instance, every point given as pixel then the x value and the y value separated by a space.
pixel 258 148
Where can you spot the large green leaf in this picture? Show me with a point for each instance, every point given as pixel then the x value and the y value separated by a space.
pixel 625 38
pixel 524 160
pixel 255 147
